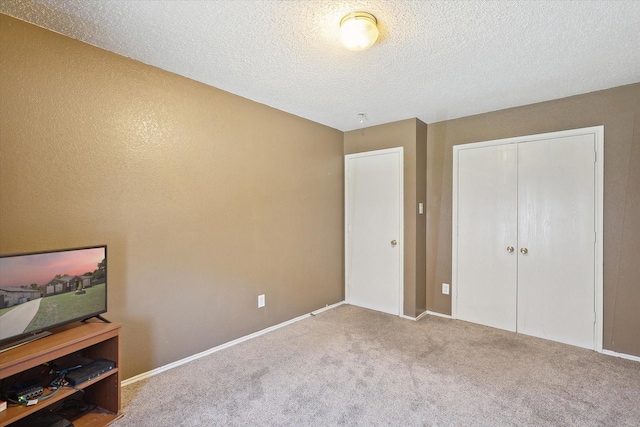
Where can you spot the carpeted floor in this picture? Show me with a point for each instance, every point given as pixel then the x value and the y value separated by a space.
pixel 355 367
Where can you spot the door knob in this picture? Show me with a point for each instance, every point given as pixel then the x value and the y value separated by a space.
pixel 524 251
pixel 394 242
pixel 510 249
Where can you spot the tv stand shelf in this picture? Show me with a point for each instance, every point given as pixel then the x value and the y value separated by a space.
pixel 92 340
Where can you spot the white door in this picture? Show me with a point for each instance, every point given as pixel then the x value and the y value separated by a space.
pixel 556 206
pixel 487 236
pixel 374 229
pixel 541 196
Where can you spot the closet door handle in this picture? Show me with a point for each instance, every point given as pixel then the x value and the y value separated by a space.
pixel 510 249
pixel 524 251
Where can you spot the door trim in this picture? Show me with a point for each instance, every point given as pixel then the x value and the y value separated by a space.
pixel 347 263
pixel 598 133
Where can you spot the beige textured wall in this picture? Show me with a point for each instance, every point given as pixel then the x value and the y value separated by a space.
pixel 404 134
pixel 204 199
pixel 421 219
pixel 618 110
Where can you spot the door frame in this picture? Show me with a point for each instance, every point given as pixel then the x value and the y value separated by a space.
pixel 399 151
pixel 598 133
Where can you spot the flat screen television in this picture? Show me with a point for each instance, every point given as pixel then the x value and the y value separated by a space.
pixel 43 290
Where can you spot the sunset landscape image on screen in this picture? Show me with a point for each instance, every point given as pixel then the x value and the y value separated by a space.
pixel 38 291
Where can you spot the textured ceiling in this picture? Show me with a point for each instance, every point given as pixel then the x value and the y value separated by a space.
pixel 436 60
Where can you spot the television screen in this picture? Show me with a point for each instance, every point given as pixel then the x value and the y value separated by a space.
pixel 39 291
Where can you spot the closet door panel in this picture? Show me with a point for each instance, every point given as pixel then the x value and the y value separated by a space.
pixel 556 229
pixel 487 226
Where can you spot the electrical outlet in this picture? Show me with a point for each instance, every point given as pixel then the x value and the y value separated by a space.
pixel 445 288
pixel 261 301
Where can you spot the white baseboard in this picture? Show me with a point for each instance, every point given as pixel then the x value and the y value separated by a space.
pixel 421 315
pixel 313 313
pixel 433 313
pixel 424 313
pixel 621 355
pixel 177 363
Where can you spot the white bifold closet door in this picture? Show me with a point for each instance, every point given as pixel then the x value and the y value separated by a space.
pixel 556 227
pixel 487 225
pixel 526 222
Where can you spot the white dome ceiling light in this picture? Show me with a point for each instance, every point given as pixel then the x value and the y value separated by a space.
pixel 358 31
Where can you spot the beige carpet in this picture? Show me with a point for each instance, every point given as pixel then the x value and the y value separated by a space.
pixel 356 367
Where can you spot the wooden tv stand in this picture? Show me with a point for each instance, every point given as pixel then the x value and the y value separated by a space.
pixel 92 340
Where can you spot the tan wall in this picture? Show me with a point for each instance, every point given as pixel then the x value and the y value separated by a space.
pixel 204 199
pixel 618 110
pixel 421 219
pixel 404 134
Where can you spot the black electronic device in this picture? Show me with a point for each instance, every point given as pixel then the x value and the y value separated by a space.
pixel 89 371
pixel 43 419
pixel 60 287
pixel 25 390
pixel 29 393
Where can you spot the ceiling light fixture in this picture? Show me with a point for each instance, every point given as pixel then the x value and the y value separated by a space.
pixel 358 31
